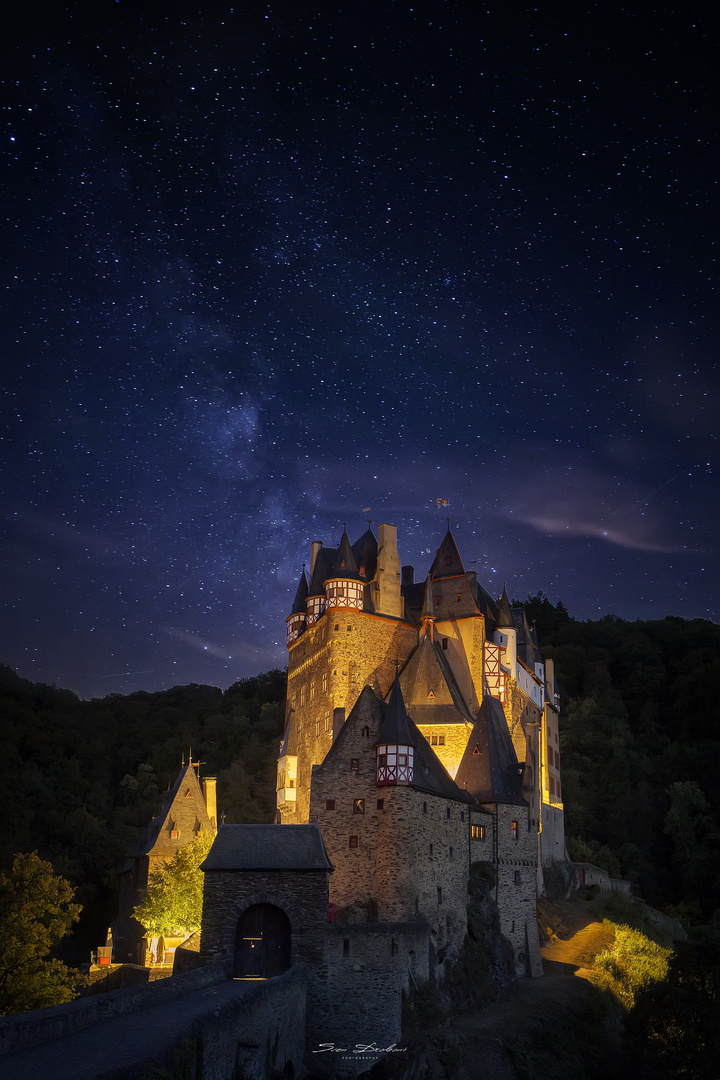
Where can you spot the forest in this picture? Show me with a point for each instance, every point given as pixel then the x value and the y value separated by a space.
pixel 640 744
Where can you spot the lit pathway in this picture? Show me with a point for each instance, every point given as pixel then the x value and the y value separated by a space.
pixel 121 1042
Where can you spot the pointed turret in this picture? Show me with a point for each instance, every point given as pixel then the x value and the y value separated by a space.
pixel 343 586
pixel 428 614
pixel 298 613
pixel 395 743
pixel 504 619
pixel 489 769
pixel 365 551
pixel 322 564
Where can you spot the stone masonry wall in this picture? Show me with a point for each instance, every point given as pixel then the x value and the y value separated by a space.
pixel 516 870
pixel 456 739
pixel 327 669
pixel 302 895
pixel 357 1008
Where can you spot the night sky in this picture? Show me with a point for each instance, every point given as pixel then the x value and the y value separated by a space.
pixel 271 265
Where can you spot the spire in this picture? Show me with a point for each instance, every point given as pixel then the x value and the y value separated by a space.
pixel 365 551
pixel 428 615
pixel 447 561
pixel 299 603
pixel 396 725
pixel 504 619
pixel 345 565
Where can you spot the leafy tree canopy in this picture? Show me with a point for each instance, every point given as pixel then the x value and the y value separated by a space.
pixel 173 902
pixel 35 913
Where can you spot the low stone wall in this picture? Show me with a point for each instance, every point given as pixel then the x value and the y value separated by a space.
pixel 40 1025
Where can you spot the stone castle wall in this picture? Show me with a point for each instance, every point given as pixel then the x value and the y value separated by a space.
pixel 328 667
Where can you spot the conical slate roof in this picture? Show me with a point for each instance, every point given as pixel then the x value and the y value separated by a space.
pixel 322 570
pixel 397 725
pixel 289 743
pixel 345 565
pixel 504 619
pixel 365 552
pixel 430 688
pixel 447 560
pixel 299 603
pixel 489 769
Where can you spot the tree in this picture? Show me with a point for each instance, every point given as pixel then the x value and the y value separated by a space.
pixel 35 913
pixel 173 902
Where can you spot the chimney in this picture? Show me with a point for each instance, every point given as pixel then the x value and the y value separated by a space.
pixel 388 600
pixel 314 551
pixel 209 794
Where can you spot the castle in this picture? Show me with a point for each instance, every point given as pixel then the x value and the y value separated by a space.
pixel 421 737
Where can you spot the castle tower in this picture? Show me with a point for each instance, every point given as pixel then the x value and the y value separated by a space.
pixel 297 618
pixel 506 635
pixel 395 744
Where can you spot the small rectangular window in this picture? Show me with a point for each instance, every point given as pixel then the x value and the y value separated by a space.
pixel 324 683
pixel 337 625
pixel 424 808
pixel 514 831
pixel 437 601
pixel 354 764
pixel 358 806
pixel 450 855
pixel 381 804
pixel 317 727
pixel 353 841
pixel 447 811
pixel 441 740
pixel 431 851
pixel 329 804
pixel 346 946
pixel 518 878
pixel 433 740
pixel 439 894
pixel 458 598
pixel 444 644
pixel 462 815
pixel 348 628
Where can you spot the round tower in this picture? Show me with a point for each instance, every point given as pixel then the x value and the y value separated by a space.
pixel 297 619
pixel 344 588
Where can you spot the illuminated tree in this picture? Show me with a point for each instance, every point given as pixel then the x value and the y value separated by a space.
pixel 173 902
pixel 35 913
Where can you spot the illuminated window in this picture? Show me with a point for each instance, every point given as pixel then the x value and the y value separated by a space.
pixel 477 832
pixel 312 691
pixel 302 696
pixel 358 806
pixel 329 804
pixel 353 841
pixel 328 722
pixel 317 727
pixel 441 740
pixel 324 683
pixel 174 833
pixel 514 831
pixel 433 740
pixel 457 598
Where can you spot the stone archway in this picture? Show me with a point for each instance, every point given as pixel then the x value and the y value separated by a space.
pixel 262 943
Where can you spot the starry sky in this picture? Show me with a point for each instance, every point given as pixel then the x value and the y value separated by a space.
pixel 269 265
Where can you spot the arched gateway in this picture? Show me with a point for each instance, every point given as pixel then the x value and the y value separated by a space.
pixel 262 943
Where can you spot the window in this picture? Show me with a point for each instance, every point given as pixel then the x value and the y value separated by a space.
pixel 433 740
pixel 447 811
pixel 458 598
pixel 441 740
pixel 346 946
pixel 348 628
pixel 337 627
pixel 365 733
pixel 393 947
pixel 293 702
pixel 557 760
pixel 302 696
pixel 424 808
pixel 312 691
pixel 477 832
pixel 437 601
pixel 439 894
pixel 358 806
pixel 431 851
pixel 329 804
pixel 317 727
pixel 353 841
pixel 450 855
pixel 444 644
pixel 174 833
pixel 382 760
pixel 381 804
pixel 328 721
pixel 514 831
pixel 354 764
pixel 462 815
pixel 402 759
pixel 324 683
pixel 518 878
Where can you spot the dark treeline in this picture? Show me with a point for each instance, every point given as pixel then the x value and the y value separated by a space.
pixel 81 778
pixel 640 744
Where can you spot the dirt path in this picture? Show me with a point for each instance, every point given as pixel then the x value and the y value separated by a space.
pixel 529 1004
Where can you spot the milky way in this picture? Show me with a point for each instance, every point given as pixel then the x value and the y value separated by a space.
pixel 275 264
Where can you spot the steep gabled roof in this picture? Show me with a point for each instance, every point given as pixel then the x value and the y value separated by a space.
pixel 430 690
pixel 322 570
pixel 365 552
pixel 183 808
pixel 397 726
pixel 447 560
pixel 299 603
pixel 489 769
pixel 268 847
